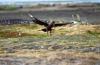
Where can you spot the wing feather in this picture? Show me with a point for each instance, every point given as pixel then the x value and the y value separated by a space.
pixel 37 21
pixel 62 24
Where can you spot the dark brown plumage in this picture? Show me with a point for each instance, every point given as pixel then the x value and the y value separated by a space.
pixel 49 26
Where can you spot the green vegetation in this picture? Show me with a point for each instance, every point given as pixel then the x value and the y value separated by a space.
pixel 8 7
pixel 93 33
pixel 40 35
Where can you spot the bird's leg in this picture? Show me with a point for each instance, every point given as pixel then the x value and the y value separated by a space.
pixel 50 32
pixel 53 30
pixel 47 31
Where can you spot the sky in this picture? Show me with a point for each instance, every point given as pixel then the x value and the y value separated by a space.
pixel 51 0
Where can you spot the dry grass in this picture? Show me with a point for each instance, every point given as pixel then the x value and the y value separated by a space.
pixel 20 31
pixel 64 30
pixel 79 29
pixel 81 36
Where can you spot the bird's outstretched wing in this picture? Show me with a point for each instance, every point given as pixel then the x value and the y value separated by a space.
pixel 62 24
pixel 37 21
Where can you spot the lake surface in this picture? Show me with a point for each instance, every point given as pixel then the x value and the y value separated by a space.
pixel 87 15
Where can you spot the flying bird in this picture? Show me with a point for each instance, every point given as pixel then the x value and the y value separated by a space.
pixel 48 26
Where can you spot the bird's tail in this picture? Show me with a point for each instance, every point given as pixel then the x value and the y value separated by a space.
pixel 44 30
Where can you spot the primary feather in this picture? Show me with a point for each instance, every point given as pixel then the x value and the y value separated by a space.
pixel 37 21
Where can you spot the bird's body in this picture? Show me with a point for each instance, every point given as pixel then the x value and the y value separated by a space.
pixel 49 28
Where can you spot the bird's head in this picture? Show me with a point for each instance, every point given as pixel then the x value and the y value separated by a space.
pixel 53 22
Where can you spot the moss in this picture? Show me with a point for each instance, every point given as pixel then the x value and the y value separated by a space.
pixel 40 35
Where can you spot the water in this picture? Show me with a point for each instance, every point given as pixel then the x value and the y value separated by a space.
pixel 66 15
pixel 88 15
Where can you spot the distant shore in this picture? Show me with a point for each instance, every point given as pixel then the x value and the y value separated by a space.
pixel 47 9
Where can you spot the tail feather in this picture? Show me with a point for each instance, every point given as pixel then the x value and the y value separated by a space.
pixel 45 30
